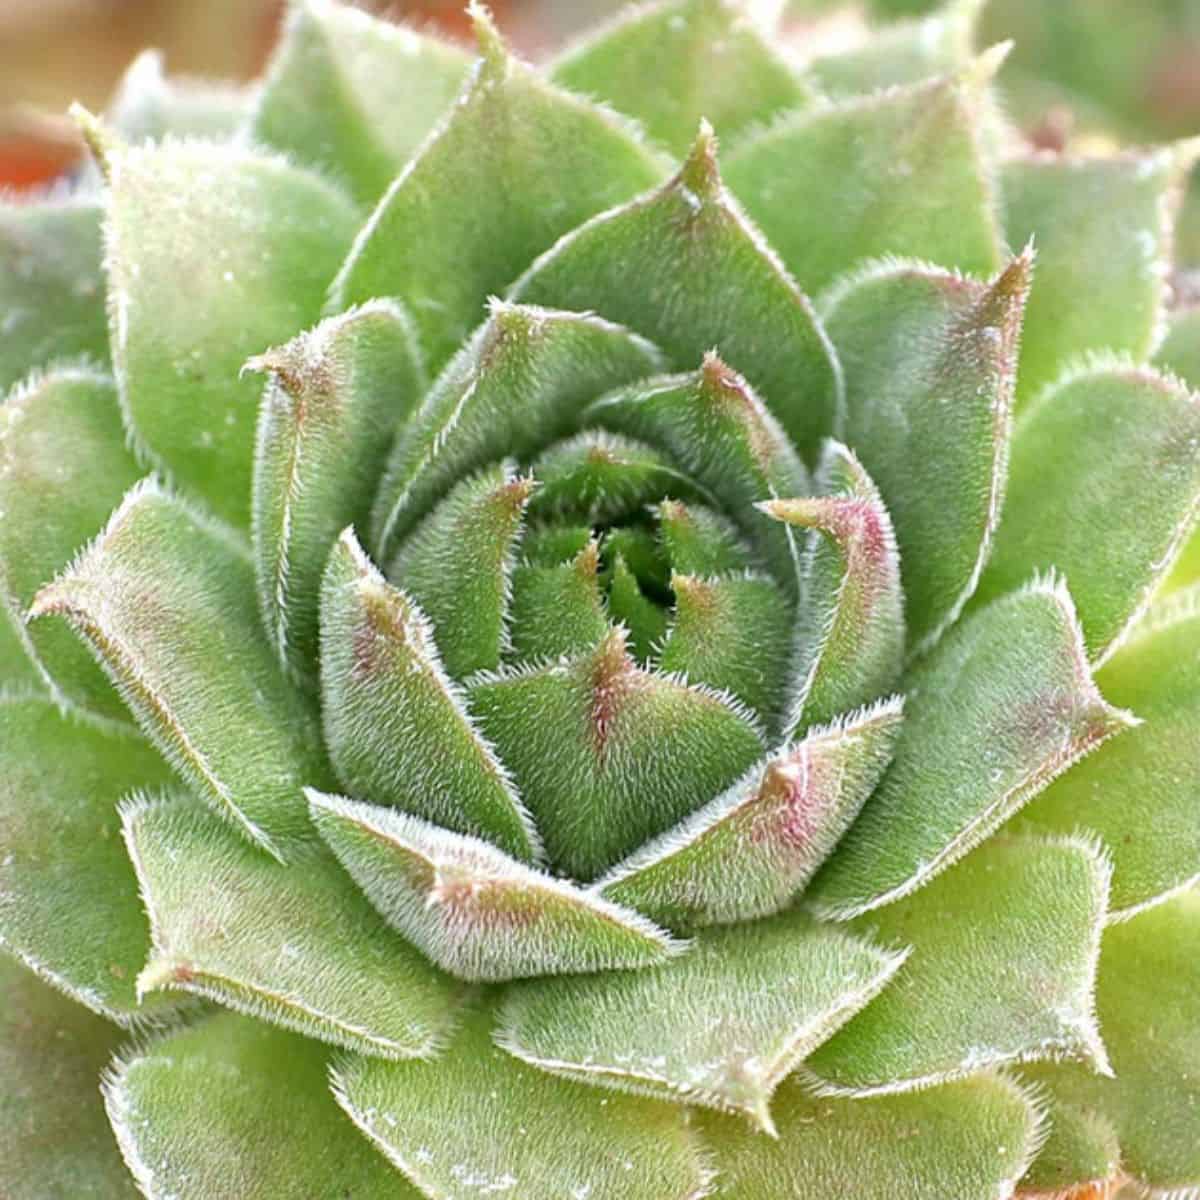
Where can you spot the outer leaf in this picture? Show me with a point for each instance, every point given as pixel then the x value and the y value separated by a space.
pixel 438 1121
pixel 68 898
pixel 51 284
pixel 707 280
pixel 296 946
pixel 165 601
pixel 233 1108
pixel 897 172
pixel 515 165
pixel 1003 968
pixel 354 95
pixel 1081 1157
pixel 671 64
pixel 607 754
pixel 1105 486
pixel 64 466
pixel 1000 708
pixel 397 728
pixel 754 848
pixel 473 910
pixel 970 1140
pixel 930 360
pixel 558 609
pixel 255 240
pixel 54 1140
pixel 334 399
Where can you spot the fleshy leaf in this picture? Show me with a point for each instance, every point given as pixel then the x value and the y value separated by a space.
pixel 929 359
pixel 706 280
pixel 970 1140
pixel 474 911
pixel 849 638
pixel 1104 228
pixel 397 728
pixel 354 95
pixel 557 610
pixel 1003 705
pixel 298 946
pixel 630 607
pixel 64 466
pixel 69 906
pixel 1180 349
pixel 1105 487
pixel 457 567
pixel 516 165
pixel 607 754
pixel 54 1140
pixel 51 285
pixel 700 541
pixel 670 65
pixel 165 601
pixel 521 382
pixel 1138 793
pixel 438 1123
pixel 253 241
pixel 752 850
pixel 746 1005
pixel 231 1106
pixel 335 397
pixel 1081 1157
pixel 900 171
pixel 1003 969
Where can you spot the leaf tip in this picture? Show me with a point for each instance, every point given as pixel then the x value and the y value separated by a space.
pixel 102 141
pixel 700 175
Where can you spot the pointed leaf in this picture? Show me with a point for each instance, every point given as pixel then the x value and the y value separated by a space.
pixel 520 383
pixel 397 728
pixel 64 467
pixel 849 638
pixel 297 946
pixel 1105 487
pixel 699 541
pixel 69 906
pixel 607 754
pixel 354 95
pixel 929 360
pixel 256 241
pixel 970 1140
pixel 670 64
pixel 746 1004
pixel 900 171
pixel 474 911
pixel 754 848
pixel 516 165
pixel 1003 705
pixel 548 545
pixel 1081 1157
pixel 231 1103
pixel 643 555
pixel 54 1140
pixel 165 601
pixel 631 608
pixel 706 280
pixel 334 398
pixel 557 610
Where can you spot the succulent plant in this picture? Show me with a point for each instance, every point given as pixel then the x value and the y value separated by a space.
pixel 506 695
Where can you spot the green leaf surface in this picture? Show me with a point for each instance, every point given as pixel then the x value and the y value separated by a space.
pixel 51 284
pixel 516 165
pixel 64 466
pixel 706 281
pixel 297 946
pixel 232 1109
pixel 699 541
pixel 354 95
pixel 334 398
pixel 669 65
pixel 438 1123
pixel 474 911
pixel 1081 1151
pixel 929 359
pixel 1105 487
pixel 54 1140
pixel 1179 352
pixel 557 610
pixel 900 171
pixel 165 601
pixel 607 754
pixel 970 1140
pixel 630 607
pixel 397 727
pixel 214 253
pixel 1003 705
